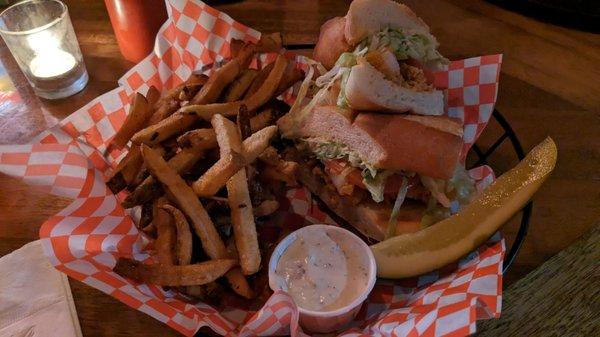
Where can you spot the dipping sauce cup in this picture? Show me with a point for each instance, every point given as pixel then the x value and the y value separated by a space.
pixel 328 271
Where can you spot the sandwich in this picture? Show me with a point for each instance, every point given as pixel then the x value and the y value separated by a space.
pixel 370 133
pixel 385 55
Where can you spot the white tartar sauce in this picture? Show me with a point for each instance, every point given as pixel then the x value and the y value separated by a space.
pixel 323 271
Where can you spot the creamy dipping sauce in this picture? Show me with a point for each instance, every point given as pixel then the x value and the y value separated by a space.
pixel 323 270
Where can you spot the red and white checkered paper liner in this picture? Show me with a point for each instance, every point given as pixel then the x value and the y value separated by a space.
pixel 84 239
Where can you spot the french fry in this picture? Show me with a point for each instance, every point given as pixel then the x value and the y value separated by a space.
pixel 165 233
pixel 193 80
pixel 183 248
pixel 126 170
pixel 138 116
pixel 259 80
pixel 270 43
pixel 152 96
pixel 286 168
pixel 191 206
pixel 243 122
pixel 217 176
pixel 211 91
pixel 266 207
pixel 262 120
pixel 192 137
pixel 254 145
pixel 170 275
pixel 237 281
pixel 182 162
pixel 146 216
pixel 163 110
pixel 242 217
pixel 172 125
pixel 237 89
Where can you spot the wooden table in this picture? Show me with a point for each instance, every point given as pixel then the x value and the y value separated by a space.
pixel 549 86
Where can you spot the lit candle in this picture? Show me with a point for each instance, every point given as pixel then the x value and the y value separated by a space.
pixel 49 60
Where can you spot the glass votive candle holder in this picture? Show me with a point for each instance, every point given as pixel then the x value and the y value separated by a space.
pixel 40 37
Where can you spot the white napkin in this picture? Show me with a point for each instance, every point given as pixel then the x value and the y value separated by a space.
pixel 35 298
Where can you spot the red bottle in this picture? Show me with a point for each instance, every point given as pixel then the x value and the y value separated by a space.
pixel 136 23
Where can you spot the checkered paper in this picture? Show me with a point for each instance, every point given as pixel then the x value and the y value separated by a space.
pixel 85 239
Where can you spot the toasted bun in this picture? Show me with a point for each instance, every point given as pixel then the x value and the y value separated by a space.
pixel 366 17
pixel 368 89
pixel 369 217
pixel 392 142
pixel 331 43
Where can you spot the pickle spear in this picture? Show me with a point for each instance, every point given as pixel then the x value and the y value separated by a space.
pixel 413 254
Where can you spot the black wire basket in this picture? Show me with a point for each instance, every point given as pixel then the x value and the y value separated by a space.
pixel 482 159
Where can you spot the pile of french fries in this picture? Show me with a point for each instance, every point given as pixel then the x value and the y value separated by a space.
pixel 195 151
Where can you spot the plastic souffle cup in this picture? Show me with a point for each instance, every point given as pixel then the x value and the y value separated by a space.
pixel 326 321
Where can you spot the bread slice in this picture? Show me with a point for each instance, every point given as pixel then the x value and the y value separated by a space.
pixel 394 142
pixel 367 17
pixel 331 43
pixel 369 217
pixel 368 89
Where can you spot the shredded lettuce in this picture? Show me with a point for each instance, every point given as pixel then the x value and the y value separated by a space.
pixel 461 187
pixel 404 44
pixel 393 222
pixel 375 184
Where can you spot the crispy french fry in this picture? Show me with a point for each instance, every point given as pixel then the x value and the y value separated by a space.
pixel 266 207
pixel 193 80
pixel 259 80
pixel 242 217
pixel 163 110
pixel 237 281
pixel 271 158
pixel 254 145
pixel 191 206
pixel 182 162
pixel 138 116
pixel 268 43
pixel 126 170
pixel 243 122
pixel 211 91
pixel 169 275
pixel 237 89
pixel 196 136
pixel 172 125
pixel 146 216
pixel 217 175
pixel 152 96
pixel 262 120
pixel 165 233
pixel 183 248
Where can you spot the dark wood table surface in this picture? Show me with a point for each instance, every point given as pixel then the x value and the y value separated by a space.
pixel 549 86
